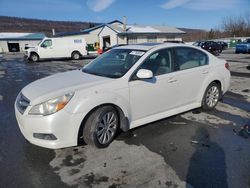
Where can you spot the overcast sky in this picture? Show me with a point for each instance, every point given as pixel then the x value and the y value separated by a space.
pixel 203 14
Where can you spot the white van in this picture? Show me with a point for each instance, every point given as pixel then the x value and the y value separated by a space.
pixel 60 47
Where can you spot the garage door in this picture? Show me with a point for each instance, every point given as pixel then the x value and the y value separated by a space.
pixel 13 47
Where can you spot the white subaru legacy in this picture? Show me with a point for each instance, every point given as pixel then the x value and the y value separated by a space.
pixel 124 88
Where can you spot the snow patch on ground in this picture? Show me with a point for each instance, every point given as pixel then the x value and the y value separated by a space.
pixel 225 115
pixel 203 117
pixel 131 166
pixel 239 85
pixel 233 110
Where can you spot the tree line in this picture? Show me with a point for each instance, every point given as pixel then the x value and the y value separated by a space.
pixel 232 26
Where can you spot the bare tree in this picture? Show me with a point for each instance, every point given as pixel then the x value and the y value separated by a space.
pixel 237 26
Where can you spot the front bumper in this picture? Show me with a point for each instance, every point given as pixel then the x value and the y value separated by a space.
pixel 63 125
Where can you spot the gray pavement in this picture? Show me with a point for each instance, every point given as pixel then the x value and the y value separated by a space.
pixel 193 149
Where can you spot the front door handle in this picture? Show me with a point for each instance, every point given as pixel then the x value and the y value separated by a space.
pixel 205 72
pixel 172 80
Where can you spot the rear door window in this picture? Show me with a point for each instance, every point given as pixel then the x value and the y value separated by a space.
pixel 187 58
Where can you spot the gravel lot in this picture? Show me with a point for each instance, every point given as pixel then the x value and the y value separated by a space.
pixel 193 149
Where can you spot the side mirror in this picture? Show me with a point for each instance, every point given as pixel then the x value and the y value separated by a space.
pixel 144 74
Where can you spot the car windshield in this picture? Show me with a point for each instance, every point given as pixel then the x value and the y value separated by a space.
pixel 114 63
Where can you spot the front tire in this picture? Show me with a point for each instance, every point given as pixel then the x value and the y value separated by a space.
pixel 211 96
pixel 34 57
pixel 101 127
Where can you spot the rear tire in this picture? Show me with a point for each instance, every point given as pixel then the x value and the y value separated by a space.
pixel 101 127
pixel 76 56
pixel 211 96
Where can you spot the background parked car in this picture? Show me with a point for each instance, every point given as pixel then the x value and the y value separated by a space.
pixel 223 45
pixel 212 47
pixel 58 47
pixel 198 43
pixel 243 47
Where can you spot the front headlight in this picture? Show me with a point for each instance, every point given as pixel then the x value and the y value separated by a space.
pixel 51 106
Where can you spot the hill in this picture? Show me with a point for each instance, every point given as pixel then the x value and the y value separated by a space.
pixel 15 24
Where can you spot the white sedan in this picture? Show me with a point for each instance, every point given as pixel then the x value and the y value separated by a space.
pixel 124 88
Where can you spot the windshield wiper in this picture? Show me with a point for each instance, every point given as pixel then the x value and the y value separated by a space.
pixel 99 74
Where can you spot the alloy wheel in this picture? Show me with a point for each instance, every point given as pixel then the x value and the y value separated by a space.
pixel 212 96
pixel 106 128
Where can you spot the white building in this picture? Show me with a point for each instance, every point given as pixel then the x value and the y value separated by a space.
pixel 16 42
pixel 117 32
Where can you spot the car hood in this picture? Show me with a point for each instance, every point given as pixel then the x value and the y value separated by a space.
pixel 60 84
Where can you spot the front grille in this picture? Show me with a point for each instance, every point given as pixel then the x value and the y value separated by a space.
pixel 22 103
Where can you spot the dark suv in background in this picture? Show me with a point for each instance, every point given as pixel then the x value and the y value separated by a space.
pixel 212 47
pixel 223 45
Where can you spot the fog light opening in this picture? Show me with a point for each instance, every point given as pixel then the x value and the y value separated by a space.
pixel 44 136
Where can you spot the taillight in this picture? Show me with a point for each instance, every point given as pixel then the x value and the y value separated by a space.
pixel 227 66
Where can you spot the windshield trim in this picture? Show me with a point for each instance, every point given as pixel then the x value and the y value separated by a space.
pixel 98 74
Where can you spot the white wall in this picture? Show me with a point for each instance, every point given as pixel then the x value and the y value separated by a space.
pixel 122 40
pixel 93 37
pixel 108 32
pixel 4 44
pixel 159 38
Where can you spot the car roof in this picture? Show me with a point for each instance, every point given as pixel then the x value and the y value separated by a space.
pixel 148 46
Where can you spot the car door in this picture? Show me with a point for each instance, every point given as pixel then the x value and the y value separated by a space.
pixel 46 49
pixel 191 70
pixel 152 96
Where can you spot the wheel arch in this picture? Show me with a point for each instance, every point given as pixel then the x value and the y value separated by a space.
pixel 123 119
pixel 75 51
pixel 206 84
pixel 35 54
